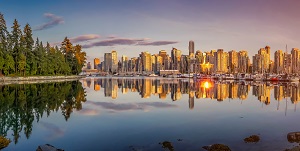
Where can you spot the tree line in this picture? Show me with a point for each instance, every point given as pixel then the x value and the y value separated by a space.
pixel 22 104
pixel 20 55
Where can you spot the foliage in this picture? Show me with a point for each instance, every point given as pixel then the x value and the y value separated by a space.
pixel 21 56
pixel 4 142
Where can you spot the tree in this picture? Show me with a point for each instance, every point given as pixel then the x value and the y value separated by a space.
pixel 3 41
pixel 9 65
pixel 28 41
pixel 16 35
pixel 80 58
pixel 3 34
pixel 22 64
pixel 19 55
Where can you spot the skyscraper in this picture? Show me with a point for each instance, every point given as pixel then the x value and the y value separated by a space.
pixel 114 56
pixel 107 62
pixel 279 61
pixel 191 48
pixel 146 61
pixel 295 60
pixel 96 63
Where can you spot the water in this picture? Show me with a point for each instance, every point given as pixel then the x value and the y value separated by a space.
pixel 113 114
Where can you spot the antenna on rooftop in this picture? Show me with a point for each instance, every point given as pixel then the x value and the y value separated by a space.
pixel 286 48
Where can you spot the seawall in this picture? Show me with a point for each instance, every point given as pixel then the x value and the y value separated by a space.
pixel 37 79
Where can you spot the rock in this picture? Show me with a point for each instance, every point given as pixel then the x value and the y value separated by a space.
pixel 217 147
pixel 47 147
pixel 252 139
pixel 167 145
pixel 4 142
pixel 297 148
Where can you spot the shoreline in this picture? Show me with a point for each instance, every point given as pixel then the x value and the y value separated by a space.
pixel 37 79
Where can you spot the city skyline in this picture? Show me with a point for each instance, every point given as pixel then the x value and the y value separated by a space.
pixel 208 62
pixel 134 26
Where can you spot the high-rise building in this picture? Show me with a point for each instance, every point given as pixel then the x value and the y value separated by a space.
pixel 295 60
pixel 124 63
pixel 96 63
pixel 114 56
pixel 243 61
pixel 191 48
pixel 111 62
pixel 278 61
pixel 107 62
pixel 146 61
pixel 221 61
pixel 287 64
pixel 268 59
pixel 175 57
pixel 233 61
pixel 89 66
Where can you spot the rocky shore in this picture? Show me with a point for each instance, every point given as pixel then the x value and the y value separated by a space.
pixel 37 79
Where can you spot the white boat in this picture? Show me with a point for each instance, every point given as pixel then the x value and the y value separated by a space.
pixel 152 75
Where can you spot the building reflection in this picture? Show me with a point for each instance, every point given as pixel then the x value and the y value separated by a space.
pixel 203 89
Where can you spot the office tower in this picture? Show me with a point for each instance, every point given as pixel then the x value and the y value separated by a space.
pixel 175 58
pixel 295 60
pixel 107 62
pixel 191 48
pixel 268 59
pixel 243 61
pixel 233 61
pixel 96 63
pixel 287 64
pixel 124 63
pixel 221 61
pixel 278 61
pixel 114 56
pixel 146 61
pixel 111 62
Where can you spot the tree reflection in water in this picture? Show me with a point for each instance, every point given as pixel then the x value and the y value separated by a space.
pixel 21 104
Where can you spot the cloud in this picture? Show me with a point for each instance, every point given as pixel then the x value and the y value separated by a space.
pixel 53 21
pixel 157 43
pixel 78 39
pixel 83 38
pixel 113 41
pixel 132 106
pixel 88 112
pixel 54 131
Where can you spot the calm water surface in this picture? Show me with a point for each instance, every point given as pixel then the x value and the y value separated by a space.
pixel 111 114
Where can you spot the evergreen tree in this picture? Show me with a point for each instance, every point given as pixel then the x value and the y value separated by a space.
pixel 3 41
pixel 16 35
pixel 9 66
pixel 28 48
pixel 3 34
pixel 20 56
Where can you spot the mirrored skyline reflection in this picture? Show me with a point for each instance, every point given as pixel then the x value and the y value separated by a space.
pixel 175 89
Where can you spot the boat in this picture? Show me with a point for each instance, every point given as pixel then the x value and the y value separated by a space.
pixel 204 76
pixel 258 77
pixel 228 77
pixel 152 75
pixel 172 76
pixel 187 75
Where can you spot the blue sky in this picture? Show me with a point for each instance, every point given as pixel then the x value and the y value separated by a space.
pixel 133 26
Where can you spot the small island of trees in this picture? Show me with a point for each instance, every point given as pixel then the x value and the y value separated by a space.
pixel 21 56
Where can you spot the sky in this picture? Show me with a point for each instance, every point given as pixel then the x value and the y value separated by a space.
pixel 134 26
